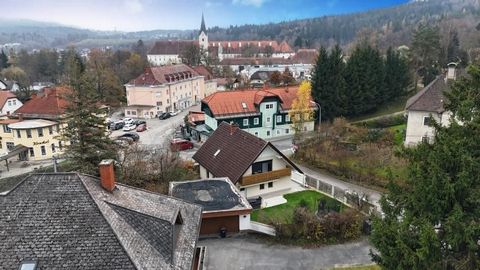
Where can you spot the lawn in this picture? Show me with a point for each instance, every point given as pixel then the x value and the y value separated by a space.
pixel 368 267
pixel 389 108
pixel 399 132
pixel 284 211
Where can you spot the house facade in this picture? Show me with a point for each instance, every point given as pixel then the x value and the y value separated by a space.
pixel 263 113
pixel 255 167
pixel 428 105
pixel 9 103
pixel 164 89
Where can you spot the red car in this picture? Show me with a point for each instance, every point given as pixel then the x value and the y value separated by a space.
pixel 141 127
pixel 180 145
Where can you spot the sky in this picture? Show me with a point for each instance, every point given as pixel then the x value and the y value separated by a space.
pixel 136 15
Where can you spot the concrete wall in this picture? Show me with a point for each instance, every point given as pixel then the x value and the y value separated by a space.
pixel 244 222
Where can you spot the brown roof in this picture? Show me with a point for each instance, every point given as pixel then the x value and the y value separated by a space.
pixel 224 103
pixel 203 71
pixel 237 150
pixel 195 117
pixel 305 56
pixel 164 74
pixel 430 98
pixel 175 47
pixel 4 96
pixel 9 121
pixel 257 45
pixel 51 102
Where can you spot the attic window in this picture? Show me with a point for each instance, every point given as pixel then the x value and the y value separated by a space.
pixel 244 105
pixel 216 153
pixel 28 265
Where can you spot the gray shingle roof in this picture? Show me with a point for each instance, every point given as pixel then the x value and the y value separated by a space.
pixel 68 221
pixel 430 98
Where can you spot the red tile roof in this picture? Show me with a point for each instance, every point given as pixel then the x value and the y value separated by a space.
pixel 51 102
pixel 258 45
pixel 195 117
pixel 225 103
pixel 4 96
pixel 164 74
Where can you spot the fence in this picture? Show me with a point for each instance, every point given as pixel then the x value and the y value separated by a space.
pixel 347 197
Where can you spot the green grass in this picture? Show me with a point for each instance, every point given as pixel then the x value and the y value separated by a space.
pixel 284 212
pixel 398 132
pixel 389 108
pixel 367 267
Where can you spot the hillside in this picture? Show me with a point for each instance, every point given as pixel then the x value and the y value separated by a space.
pixel 386 27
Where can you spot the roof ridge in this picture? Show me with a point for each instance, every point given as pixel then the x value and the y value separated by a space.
pixel 422 92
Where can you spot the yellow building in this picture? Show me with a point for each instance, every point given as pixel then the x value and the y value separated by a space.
pixel 41 136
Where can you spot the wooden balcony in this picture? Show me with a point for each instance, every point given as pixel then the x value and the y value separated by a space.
pixel 264 177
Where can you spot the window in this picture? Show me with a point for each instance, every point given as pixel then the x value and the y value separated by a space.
pixel 14 102
pixel 159 103
pixel 244 105
pixel 427 121
pixel 57 128
pixel 425 139
pixel 270 184
pixel 262 166
pixel 32 153
pixel 40 132
pixel 269 106
pixel 134 113
pixel 60 145
pixel 53 148
pixel 268 133
pixel 278 131
pixel 128 112
pixel 29 133
pixel 279 118
pixel 28 265
pixel 256 133
pixel 262 186
pixel 168 101
pixel 19 133
pixel 44 151
pixel 245 122
pixel 242 189
pixel 9 103
pixel 287 131
pixel 256 121
pixel 10 145
pixel 269 119
pixel 6 129
pixel 50 130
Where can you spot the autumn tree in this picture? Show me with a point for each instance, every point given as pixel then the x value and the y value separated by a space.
pixel 192 55
pixel 287 77
pixel 433 221
pixel 85 127
pixel 301 110
pixel 275 78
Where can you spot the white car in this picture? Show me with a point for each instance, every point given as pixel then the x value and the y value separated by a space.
pixel 127 121
pixel 129 127
pixel 175 112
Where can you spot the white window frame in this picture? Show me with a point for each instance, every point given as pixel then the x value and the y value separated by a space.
pixel 256 121
pixel 424 119
pixel 287 118
pixel 279 117
pixel 269 119
pixel 268 133
pixel 245 122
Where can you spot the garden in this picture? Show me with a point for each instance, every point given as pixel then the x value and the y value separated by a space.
pixel 309 218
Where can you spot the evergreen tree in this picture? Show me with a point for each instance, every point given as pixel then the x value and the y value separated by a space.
pixel 396 75
pixel 433 222
pixel 364 75
pixel 426 53
pixel 85 129
pixel 3 60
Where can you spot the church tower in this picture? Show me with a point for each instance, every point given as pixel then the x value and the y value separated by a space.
pixel 202 36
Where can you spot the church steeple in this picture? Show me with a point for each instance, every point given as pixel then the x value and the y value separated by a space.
pixel 202 26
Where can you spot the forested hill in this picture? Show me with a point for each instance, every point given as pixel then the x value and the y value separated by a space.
pixel 389 26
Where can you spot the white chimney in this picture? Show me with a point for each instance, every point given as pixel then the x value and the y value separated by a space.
pixel 452 71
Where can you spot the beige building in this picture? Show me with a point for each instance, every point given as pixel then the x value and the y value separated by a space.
pixel 164 89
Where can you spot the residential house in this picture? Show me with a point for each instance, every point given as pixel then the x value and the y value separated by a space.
pixel 255 166
pixel 37 126
pixel 163 89
pixel 428 104
pixel 9 103
pixel 38 86
pixel 262 112
pixel 75 221
pixel 225 210
pixel 9 85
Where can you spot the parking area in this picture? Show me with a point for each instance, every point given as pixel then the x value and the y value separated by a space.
pixel 247 252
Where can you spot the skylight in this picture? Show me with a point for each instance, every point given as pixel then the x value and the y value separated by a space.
pixel 244 105
pixel 28 265
pixel 216 153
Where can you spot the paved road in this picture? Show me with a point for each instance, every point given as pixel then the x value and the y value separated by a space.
pixel 246 252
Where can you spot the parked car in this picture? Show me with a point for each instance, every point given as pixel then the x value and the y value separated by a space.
pixel 141 127
pixel 129 127
pixel 128 121
pixel 140 122
pixel 180 145
pixel 175 112
pixel 130 135
pixel 164 116
pixel 117 125
pixel 124 141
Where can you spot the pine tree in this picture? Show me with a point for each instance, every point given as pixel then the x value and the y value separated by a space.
pixel 426 53
pixel 320 86
pixel 433 222
pixel 3 60
pixel 397 76
pixel 85 127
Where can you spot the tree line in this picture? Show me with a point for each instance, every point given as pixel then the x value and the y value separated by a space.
pixel 359 84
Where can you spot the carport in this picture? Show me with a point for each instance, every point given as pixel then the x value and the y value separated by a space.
pixel 20 150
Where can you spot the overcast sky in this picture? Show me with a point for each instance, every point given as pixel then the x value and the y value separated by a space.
pixel 134 15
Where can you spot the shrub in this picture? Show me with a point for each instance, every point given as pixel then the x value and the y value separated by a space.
pixel 384 122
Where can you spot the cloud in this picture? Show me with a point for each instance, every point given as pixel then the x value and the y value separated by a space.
pixel 134 6
pixel 255 3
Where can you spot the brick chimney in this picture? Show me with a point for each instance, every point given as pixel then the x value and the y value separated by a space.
pixel 107 174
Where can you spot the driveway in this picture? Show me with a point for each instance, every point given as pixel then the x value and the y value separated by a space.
pixel 246 252
pixel 159 132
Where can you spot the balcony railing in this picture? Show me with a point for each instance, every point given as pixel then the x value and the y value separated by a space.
pixel 264 177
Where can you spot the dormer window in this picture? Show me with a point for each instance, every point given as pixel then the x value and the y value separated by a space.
pixel 244 105
pixel 28 265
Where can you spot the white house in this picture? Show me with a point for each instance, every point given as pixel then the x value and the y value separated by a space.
pixel 9 85
pixel 9 103
pixel 428 104
pixel 255 166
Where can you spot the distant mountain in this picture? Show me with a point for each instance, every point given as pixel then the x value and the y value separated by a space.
pixel 388 27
